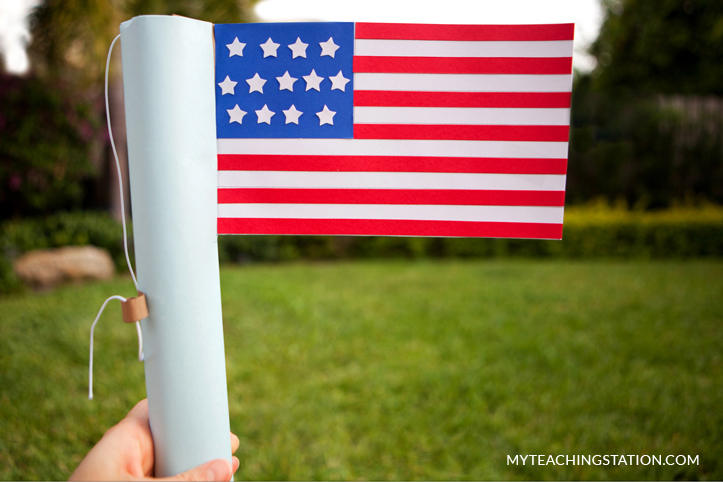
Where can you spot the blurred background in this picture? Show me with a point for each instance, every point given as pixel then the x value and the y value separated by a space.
pixel 645 142
pixel 614 333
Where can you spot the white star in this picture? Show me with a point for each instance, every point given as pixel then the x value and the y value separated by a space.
pixel 338 82
pixel 292 115
pixel 326 116
pixel 235 114
pixel 298 48
pixel 264 115
pixel 286 82
pixel 313 81
pixel 270 48
pixel 329 47
pixel 227 86
pixel 236 48
pixel 256 84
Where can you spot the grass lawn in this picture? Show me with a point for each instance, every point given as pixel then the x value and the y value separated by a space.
pixel 403 370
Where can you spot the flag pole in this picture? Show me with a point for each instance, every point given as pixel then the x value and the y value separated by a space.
pixel 168 76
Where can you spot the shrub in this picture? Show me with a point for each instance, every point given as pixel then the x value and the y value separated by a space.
pixel 65 229
pixel 601 230
pixel 47 147
pixel 8 281
pixel 593 230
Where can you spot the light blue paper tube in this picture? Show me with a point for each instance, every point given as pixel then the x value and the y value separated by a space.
pixel 168 76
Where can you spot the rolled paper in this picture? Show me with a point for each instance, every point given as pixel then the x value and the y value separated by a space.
pixel 168 76
pixel 134 309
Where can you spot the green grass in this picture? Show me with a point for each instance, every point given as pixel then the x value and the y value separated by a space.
pixel 403 370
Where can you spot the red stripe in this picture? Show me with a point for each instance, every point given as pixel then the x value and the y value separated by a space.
pixel 380 98
pixel 463 65
pixel 454 197
pixel 462 132
pixel 374 227
pixel 257 162
pixel 392 31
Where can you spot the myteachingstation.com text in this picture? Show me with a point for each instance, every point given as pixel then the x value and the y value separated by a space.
pixel 602 460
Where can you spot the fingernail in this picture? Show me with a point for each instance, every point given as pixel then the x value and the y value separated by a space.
pixel 219 470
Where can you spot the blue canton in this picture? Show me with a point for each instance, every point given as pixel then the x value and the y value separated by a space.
pixel 266 88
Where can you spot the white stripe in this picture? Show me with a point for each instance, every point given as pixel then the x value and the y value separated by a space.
pixel 447 48
pixel 463 82
pixel 390 180
pixel 461 116
pixel 509 214
pixel 385 147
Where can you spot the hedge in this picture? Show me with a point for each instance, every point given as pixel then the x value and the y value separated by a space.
pixel 63 229
pixel 593 230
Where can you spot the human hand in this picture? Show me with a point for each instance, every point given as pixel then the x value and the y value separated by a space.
pixel 126 453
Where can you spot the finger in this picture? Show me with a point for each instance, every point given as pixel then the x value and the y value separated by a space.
pixel 234 443
pixel 140 410
pixel 236 464
pixel 135 426
pixel 218 469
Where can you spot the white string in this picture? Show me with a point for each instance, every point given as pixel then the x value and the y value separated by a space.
pixel 117 164
pixel 125 238
pixel 92 329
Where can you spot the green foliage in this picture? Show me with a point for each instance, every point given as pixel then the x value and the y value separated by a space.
pixel 600 230
pixel 216 11
pixel 594 230
pixel 64 229
pixel 243 249
pixel 661 46
pixel 644 150
pixel 402 370
pixel 633 134
pixel 71 37
pixel 46 147
pixel 49 134
pixel 9 283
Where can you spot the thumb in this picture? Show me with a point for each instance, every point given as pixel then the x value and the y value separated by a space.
pixel 218 469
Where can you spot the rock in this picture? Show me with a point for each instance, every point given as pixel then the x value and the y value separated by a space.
pixel 46 269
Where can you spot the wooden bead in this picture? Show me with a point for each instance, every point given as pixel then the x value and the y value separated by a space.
pixel 134 309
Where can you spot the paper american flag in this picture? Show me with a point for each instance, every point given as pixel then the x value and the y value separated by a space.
pixel 393 129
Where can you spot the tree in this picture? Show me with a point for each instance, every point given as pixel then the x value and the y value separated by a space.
pixel 660 47
pixel 70 40
pixel 216 11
